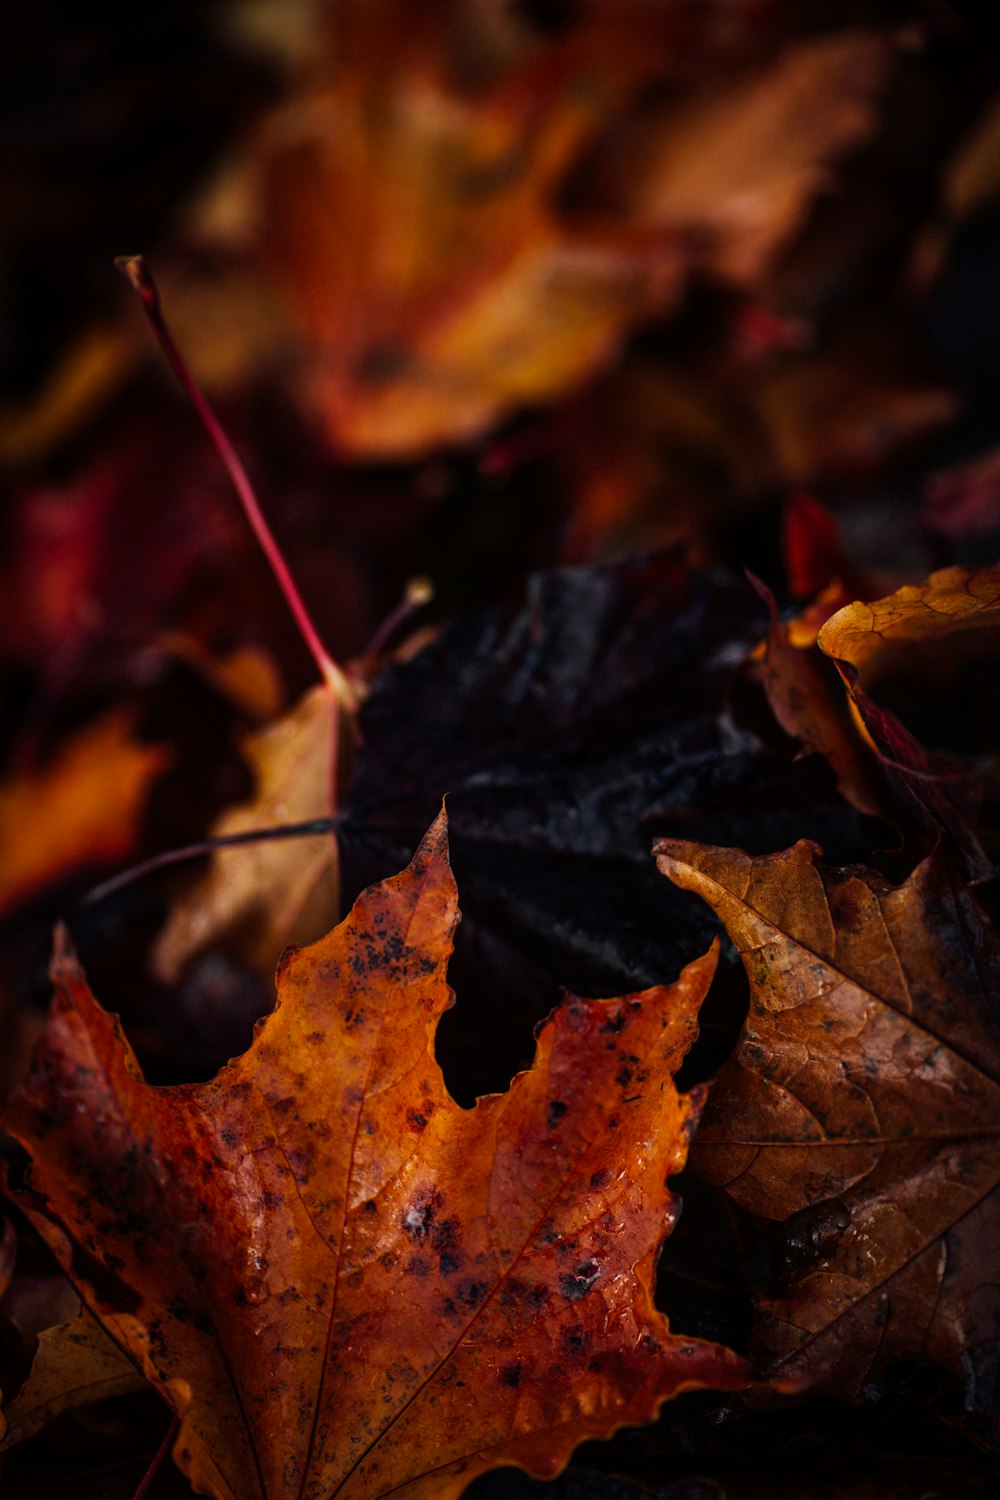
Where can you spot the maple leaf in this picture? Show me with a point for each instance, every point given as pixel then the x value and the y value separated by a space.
pixel 469 216
pixel 81 807
pixel 957 608
pixel 405 197
pixel 862 1106
pixel 565 730
pixel 345 1283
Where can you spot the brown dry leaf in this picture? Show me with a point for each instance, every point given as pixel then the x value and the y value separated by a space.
pixel 258 898
pixel 75 1364
pixel 862 1107
pixel 408 209
pixel 736 166
pixel 82 807
pixel 875 637
pixel 808 702
pixel 344 1282
pixel 955 612
pixel 426 205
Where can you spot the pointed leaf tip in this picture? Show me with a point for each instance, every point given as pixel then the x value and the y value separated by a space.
pixel 64 959
pixel 433 848
pixel 440 1290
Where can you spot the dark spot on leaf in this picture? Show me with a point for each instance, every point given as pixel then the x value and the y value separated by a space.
pixel 574 1340
pixel 418 1220
pixel 577 1283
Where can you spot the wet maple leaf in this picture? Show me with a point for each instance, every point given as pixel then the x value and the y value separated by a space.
pixel 863 1107
pixel 565 731
pixel 344 1282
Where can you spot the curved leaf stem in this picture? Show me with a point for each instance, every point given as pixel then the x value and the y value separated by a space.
pixel 206 846
pixel 136 271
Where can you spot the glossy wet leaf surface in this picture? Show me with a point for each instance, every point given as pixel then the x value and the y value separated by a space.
pixel 862 1108
pixel 345 1283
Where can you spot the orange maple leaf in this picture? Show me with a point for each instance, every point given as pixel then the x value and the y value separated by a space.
pixel 346 1284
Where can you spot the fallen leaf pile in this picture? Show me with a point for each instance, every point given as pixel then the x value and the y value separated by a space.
pixel 616 379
